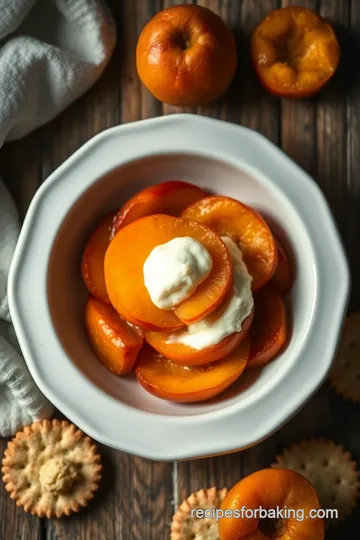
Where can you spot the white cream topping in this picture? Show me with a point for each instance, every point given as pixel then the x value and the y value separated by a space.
pixel 226 320
pixel 174 270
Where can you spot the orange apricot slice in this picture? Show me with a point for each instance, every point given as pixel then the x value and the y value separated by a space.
pixel 169 198
pixel 115 343
pixel 167 380
pixel 124 262
pixel 282 277
pixel 228 217
pixel 92 264
pixel 187 356
pixel 269 329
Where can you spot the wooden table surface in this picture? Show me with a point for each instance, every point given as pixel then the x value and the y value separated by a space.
pixel 137 497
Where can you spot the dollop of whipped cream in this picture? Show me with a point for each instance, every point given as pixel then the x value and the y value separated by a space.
pixel 174 270
pixel 229 317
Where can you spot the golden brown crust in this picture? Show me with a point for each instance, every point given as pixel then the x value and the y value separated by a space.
pixel 185 527
pixel 345 374
pixel 51 468
pixel 330 470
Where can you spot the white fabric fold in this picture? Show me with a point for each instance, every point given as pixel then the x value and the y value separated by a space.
pixel 51 52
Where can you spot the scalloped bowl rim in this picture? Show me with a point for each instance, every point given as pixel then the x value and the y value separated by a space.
pixel 178 437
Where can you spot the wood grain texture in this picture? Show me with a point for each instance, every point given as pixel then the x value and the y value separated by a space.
pixel 298 122
pixel 137 497
pixel 136 101
pixel 20 168
pixel 331 162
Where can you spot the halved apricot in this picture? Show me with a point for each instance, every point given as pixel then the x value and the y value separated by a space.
pixel 228 217
pixel 169 198
pixel 167 380
pixel 249 508
pixel 92 264
pixel 115 343
pixel 124 277
pixel 187 356
pixel 269 329
pixel 282 277
pixel 294 52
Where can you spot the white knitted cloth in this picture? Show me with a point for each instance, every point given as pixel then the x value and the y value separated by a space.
pixel 51 52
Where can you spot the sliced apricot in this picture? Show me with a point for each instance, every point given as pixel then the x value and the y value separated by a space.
pixel 124 263
pixel 115 343
pixel 249 500
pixel 169 198
pixel 92 264
pixel 282 277
pixel 187 356
pixel 228 217
pixel 269 329
pixel 167 380
pixel 294 52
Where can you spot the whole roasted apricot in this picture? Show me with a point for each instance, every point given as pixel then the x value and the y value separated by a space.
pixel 271 504
pixel 228 217
pixel 92 263
pixel 187 356
pixel 124 272
pixel 186 55
pixel 169 198
pixel 167 380
pixel 115 343
pixel 295 52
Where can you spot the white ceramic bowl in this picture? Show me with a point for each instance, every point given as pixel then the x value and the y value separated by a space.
pixel 47 295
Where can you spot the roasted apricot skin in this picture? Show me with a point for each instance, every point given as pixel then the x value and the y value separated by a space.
pixel 125 281
pixel 269 489
pixel 269 330
pixel 228 217
pixel 283 275
pixel 295 52
pixel 114 342
pixel 169 198
pixel 92 263
pixel 166 380
pixel 187 356
pixel 186 55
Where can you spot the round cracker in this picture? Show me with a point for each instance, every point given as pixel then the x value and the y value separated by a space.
pixel 330 470
pixel 51 468
pixel 186 527
pixel 345 375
